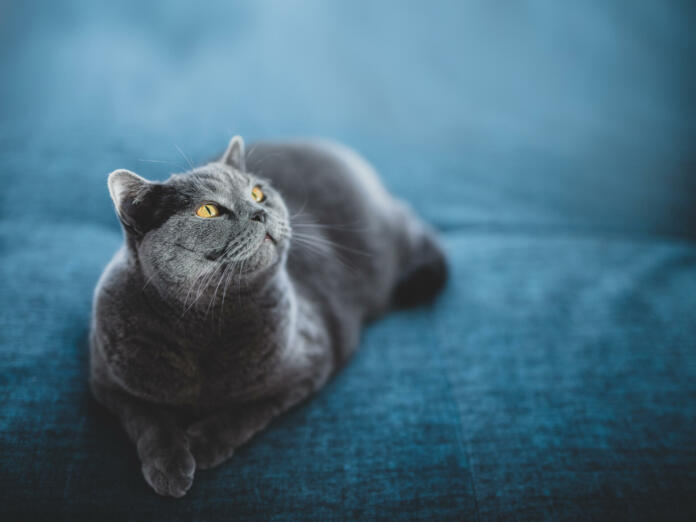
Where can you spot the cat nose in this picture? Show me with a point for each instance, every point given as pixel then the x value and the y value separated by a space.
pixel 259 215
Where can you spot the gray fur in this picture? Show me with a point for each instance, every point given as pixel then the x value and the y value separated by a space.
pixel 204 330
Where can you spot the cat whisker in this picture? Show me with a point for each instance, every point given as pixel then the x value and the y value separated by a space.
pixel 239 282
pixel 230 272
pixel 299 212
pixel 201 272
pixel 149 280
pixel 327 225
pixel 174 163
pixel 258 166
pixel 214 296
pixel 202 286
pixel 330 243
pixel 251 151
pixel 186 158
pixel 325 251
pixel 331 226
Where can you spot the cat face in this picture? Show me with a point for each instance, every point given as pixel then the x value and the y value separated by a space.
pixel 210 228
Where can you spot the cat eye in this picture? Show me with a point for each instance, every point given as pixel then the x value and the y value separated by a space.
pixel 208 210
pixel 257 194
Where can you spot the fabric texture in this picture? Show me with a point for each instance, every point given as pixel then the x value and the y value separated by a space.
pixel 550 144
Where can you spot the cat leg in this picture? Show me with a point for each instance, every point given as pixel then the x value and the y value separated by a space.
pixel 214 439
pixel 167 464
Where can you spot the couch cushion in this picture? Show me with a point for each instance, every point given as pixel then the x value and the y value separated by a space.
pixel 555 378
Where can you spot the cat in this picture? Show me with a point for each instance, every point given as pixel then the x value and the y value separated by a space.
pixel 241 287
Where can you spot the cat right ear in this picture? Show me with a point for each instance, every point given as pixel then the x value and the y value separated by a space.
pixel 127 189
pixel 234 155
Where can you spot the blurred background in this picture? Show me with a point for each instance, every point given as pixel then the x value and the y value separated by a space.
pixel 495 113
pixel 552 145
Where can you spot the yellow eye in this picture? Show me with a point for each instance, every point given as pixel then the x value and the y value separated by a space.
pixel 208 211
pixel 257 194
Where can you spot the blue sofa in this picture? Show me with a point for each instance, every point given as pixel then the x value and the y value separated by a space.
pixel 551 144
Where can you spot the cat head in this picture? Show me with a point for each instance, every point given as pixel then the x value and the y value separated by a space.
pixel 204 228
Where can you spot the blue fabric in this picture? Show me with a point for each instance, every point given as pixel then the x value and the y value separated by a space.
pixel 552 145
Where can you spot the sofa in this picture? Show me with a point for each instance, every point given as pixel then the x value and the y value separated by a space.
pixel 552 147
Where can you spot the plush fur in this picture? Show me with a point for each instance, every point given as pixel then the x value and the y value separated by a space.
pixel 205 329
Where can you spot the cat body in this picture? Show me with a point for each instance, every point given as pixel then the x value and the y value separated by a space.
pixel 241 287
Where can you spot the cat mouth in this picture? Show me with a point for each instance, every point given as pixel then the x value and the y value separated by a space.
pixel 270 238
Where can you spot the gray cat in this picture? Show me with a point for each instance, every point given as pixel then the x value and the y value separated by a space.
pixel 241 287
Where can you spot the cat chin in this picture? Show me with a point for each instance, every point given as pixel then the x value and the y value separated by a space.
pixel 265 260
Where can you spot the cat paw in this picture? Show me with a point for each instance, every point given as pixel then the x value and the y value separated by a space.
pixel 207 446
pixel 168 469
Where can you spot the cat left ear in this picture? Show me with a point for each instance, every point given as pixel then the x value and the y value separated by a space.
pixel 234 155
pixel 127 189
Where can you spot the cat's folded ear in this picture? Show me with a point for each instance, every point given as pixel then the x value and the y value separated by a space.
pixel 127 191
pixel 234 155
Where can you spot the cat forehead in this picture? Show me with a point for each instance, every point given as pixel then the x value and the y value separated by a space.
pixel 215 177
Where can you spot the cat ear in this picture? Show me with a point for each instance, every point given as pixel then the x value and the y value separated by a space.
pixel 234 155
pixel 127 189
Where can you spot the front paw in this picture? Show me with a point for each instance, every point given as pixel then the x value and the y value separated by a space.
pixel 208 445
pixel 167 466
